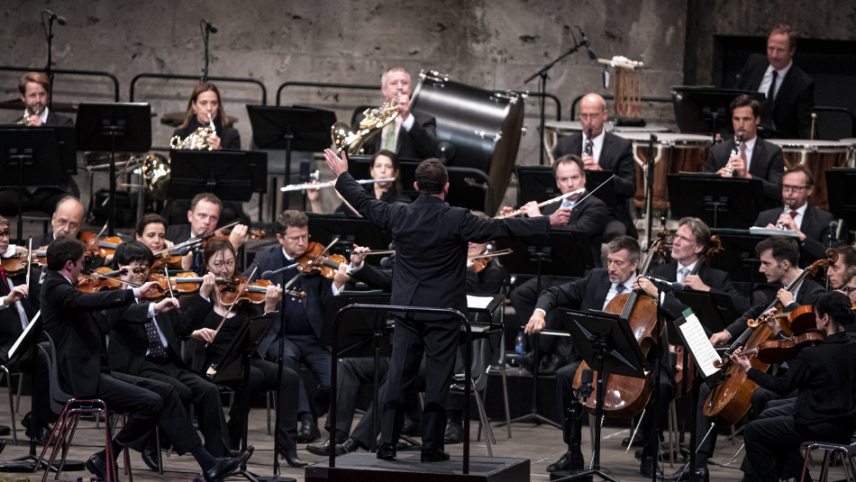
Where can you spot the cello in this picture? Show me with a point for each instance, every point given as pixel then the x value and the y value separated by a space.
pixel 626 396
pixel 731 399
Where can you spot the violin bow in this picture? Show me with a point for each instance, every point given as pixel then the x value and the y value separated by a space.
pixel 29 254
pixel 169 282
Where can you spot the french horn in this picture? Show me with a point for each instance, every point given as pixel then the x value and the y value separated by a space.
pixel 374 120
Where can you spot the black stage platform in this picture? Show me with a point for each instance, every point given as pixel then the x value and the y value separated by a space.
pixel 363 466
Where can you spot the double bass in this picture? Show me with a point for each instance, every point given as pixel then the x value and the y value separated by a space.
pixel 626 396
pixel 731 399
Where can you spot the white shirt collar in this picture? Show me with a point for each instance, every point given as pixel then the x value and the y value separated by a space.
pixel 689 267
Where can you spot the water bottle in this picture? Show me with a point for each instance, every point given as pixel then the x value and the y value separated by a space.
pixel 518 343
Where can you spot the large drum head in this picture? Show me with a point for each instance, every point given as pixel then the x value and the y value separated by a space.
pixel 476 128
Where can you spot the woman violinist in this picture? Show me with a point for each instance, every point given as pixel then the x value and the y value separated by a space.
pixel 220 259
pixel 825 408
pixel 151 231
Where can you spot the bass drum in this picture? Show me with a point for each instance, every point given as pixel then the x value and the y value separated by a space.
pixel 477 130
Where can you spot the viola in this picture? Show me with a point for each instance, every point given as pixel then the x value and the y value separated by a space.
pixel 778 351
pixel 316 260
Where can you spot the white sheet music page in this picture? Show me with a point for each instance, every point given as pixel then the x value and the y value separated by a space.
pixel 698 343
pixel 24 335
pixel 478 302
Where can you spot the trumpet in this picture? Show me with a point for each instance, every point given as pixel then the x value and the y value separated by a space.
pixel 319 185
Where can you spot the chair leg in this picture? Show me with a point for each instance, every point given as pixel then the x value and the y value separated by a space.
pixel 505 400
pixel 267 406
pixel 484 424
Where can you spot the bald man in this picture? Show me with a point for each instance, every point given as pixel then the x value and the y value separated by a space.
pixel 602 151
pixel 66 220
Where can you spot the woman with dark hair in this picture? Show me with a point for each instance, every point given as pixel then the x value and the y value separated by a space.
pixel 203 109
pixel 385 165
pixel 220 259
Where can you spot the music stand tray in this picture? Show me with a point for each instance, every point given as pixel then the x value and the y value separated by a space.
pixel 721 202
pixel 231 175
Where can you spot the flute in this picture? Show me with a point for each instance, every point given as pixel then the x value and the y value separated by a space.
pixel 548 202
pixel 319 185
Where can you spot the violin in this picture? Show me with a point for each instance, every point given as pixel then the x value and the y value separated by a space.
pixel 102 279
pixel 316 260
pixel 239 289
pixel 481 261
pixel 185 282
pixel 778 351
pixel 17 264
pixel 97 245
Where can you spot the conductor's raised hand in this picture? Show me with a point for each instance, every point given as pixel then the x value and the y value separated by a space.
pixel 336 162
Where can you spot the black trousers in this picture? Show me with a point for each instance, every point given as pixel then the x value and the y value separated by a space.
pixel 523 298
pixel 437 339
pixel 192 388
pixel 264 377
pixel 34 362
pixel 147 403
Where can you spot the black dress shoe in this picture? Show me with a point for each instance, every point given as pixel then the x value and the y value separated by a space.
pixel 527 362
pixel 307 431
pixel 224 467
pixel 97 465
pixel 683 474
pixel 386 451
pixel 150 458
pixel 39 435
pixel 291 458
pixel 454 433
pixel 549 365
pixel 434 455
pixel 568 461
pixel 648 466
pixel 322 449
pixel 348 446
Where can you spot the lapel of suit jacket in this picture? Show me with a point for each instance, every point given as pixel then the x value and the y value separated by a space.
pixel 758 167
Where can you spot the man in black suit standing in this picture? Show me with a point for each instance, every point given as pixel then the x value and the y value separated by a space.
pixel 751 157
pixel 810 223
pixel 594 291
pixel 148 346
pixel 604 151
pixel 82 365
pixel 411 135
pixel 430 270
pixel 789 90
pixel 35 90
pixel 304 317
pixel 589 217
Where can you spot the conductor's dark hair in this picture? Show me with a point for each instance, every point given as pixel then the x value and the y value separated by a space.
pixel 784 249
pixel 837 306
pixel 62 249
pixel 130 251
pixel 431 176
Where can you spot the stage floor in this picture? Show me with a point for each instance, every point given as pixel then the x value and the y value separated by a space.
pixel 542 445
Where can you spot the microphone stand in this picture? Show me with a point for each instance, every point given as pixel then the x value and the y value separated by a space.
pixel 49 35
pixel 206 32
pixel 542 89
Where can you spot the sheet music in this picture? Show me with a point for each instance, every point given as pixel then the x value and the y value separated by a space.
pixel 478 302
pixel 698 343
pixel 24 334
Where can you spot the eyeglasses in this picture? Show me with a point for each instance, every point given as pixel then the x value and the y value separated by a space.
pixel 786 187
pixel 848 289
pixel 4 233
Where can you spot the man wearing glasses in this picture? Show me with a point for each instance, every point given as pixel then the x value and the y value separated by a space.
pixel 810 223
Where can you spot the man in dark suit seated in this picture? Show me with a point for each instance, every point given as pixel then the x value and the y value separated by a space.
pixel 604 151
pixel 66 220
pixel 430 270
pixel 751 157
pixel 82 364
pixel 589 217
pixel 149 346
pixel 35 89
pixel 594 291
pixel 412 135
pixel 304 317
pixel 810 223
pixel 203 216
pixel 789 90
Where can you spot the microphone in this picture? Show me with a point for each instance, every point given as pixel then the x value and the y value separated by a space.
pixel 209 27
pixel 59 18
pixel 585 42
pixel 669 285
pixel 266 274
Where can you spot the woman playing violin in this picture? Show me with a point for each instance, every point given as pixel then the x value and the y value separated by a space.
pixel 825 376
pixel 220 259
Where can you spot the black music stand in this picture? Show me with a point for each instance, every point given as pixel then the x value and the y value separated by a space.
pixel 469 188
pixel 721 202
pixel 231 175
pixel 715 309
pixel 607 344
pixel 326 227
pixel 560 253
pixel 535 183
pixel 114 127
pixel 839 180
pixel 706 110
pixel 29 157
pixel 738 257
pixel 291 129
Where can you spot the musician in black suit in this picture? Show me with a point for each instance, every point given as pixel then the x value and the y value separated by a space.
pixel 149 347
pixel 789 90
pixel 304 317
pixel 66 220
pixel 604 151
pixel 755 158
pixel 82 365
pixel 589 217
pixel 810 223
pixel 35 90
pixel 779 258
pixel 594 291
pixel 430 270
pixel 412 135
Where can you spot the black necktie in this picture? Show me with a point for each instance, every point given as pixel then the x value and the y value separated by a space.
pixel 771 92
